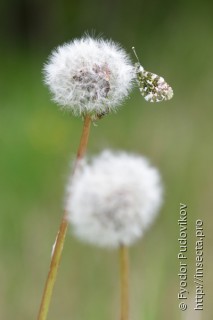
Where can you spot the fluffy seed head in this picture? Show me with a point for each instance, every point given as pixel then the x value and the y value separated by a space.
pixel 89 75
pixel 113 199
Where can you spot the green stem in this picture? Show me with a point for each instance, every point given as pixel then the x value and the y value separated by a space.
pixel 124 271
pixel 59 243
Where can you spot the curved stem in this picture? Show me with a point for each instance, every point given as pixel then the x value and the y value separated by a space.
pixel 59 242
pixel 124 271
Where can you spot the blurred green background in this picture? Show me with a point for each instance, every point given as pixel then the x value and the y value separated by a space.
pixel 37 143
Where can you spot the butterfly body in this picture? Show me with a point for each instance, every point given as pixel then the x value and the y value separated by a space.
pixel 152 87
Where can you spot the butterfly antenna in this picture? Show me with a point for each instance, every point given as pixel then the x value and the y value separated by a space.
pixel 133 49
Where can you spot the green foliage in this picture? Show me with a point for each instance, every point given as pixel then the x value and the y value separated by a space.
pixel 37 143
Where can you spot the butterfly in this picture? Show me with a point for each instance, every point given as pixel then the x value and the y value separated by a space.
pixel 152 87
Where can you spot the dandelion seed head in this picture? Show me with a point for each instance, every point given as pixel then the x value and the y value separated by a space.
pixel 113 199
pixel 89 75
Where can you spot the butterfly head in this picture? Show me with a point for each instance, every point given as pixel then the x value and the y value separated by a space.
pixel 138 66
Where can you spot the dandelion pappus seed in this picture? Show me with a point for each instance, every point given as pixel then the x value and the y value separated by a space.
pixel 89 76
pixel 113 198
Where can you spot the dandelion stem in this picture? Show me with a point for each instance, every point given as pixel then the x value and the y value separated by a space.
pixel 124 271
pixel 59 242
pixel 84 138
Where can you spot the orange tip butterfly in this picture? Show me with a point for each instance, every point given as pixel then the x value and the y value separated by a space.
pixel 152 87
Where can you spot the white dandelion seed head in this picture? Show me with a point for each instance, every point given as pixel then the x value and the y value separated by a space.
pixel 113 199
pixel 89 75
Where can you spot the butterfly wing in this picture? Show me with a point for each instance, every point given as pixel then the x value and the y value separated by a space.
pixel 152 87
